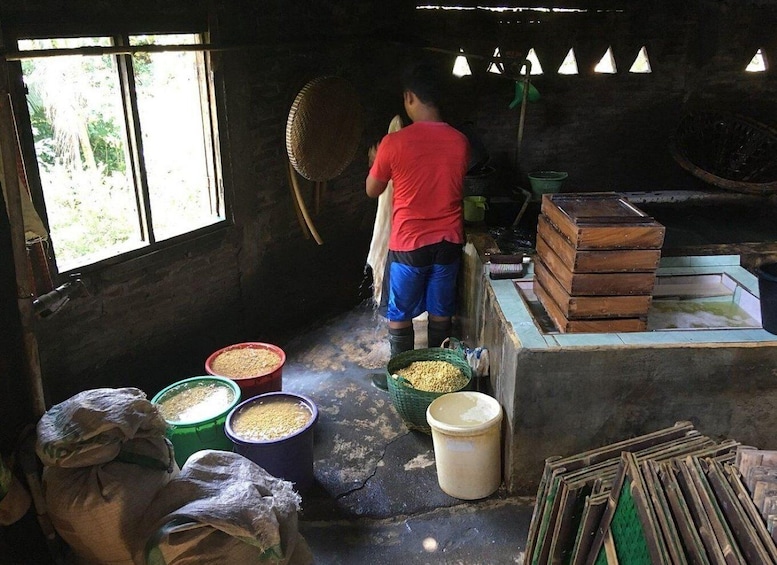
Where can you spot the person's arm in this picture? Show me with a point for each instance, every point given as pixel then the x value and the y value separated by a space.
pixel 375 187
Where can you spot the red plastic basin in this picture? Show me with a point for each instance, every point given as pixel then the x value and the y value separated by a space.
pixel 267 381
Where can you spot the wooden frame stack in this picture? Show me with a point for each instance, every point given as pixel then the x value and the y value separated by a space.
pixel 669 497
pixel 597 256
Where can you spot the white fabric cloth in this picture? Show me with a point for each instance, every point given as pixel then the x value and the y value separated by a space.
pixel 376 258
pixel 33 225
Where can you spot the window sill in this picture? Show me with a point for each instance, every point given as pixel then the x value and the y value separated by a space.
pixel 127 265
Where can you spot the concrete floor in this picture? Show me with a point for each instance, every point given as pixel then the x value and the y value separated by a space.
pixel 376 498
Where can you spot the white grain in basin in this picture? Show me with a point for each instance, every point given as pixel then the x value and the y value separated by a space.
pixel 196 403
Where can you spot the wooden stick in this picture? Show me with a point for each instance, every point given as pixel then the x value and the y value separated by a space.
pixel 24 286
pixel 96 50
pixel 297 211
pixel 302 207
pixel 609 549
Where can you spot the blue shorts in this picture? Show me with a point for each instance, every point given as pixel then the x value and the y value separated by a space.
pixel 423 280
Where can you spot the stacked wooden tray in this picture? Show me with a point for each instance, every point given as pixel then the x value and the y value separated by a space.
pixel 597 256
pixel 672 496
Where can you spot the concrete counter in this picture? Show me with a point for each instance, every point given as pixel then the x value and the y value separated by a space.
pixel 566 393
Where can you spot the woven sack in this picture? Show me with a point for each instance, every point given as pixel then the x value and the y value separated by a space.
pixel 14 498
pixel 105 457
pixel 98 510
pixel 91 427
pixel 224 508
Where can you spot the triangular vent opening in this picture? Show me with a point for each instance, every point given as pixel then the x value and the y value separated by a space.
pixel 461 65
pixel 606 64
pixel 757 63
pixel 641 63
pixel 569 65
pixel 494 67
pixel 536 68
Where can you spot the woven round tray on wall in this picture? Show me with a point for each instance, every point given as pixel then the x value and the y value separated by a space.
pixel 324 128
pixel 727 150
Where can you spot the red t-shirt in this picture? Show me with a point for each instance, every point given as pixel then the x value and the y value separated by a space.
pixel 427 162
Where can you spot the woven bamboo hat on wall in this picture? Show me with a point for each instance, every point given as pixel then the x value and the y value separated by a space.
pixel 324 128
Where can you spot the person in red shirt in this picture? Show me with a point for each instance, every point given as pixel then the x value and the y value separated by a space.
pixel 426 162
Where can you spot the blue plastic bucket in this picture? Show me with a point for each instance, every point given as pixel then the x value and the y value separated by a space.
pixel 204 430
pixel 767 289
pixel 289 457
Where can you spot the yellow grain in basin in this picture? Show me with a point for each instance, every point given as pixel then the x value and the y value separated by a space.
pixel 245 362
pixel 271 419
pixel 433 376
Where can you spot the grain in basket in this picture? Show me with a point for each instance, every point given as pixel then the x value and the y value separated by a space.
pixel 433 376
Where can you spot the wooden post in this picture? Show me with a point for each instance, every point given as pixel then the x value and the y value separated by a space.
pixel 25 287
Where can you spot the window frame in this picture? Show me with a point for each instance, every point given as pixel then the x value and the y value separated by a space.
pixel 212 111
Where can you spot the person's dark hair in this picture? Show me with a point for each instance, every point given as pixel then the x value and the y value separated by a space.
pixel 425 80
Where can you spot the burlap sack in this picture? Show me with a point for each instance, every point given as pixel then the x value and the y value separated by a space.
pixel 224 508
pixel 91 427
pixel 106 458
pixel 14 503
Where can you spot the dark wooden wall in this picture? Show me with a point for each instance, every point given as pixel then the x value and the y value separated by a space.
pixel 154 320
pixel 610 132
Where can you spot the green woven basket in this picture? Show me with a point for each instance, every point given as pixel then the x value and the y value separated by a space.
pixel 412 403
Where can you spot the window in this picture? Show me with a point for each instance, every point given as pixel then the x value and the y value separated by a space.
pixel 125 144
pixel 493 66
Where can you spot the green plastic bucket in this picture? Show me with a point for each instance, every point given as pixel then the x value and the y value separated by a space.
pixel 195 410
pixel 546 182
pixel 475 208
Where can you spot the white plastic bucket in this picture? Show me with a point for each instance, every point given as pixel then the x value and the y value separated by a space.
pixel 466 433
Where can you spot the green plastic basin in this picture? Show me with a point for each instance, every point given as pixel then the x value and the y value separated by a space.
pixel 546 182
pixel 201 426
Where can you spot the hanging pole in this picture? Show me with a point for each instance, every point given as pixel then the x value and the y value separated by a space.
pixel 301 203
pixel 95 50
pixel 521 122
pixel 522 118
pixel 24 286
